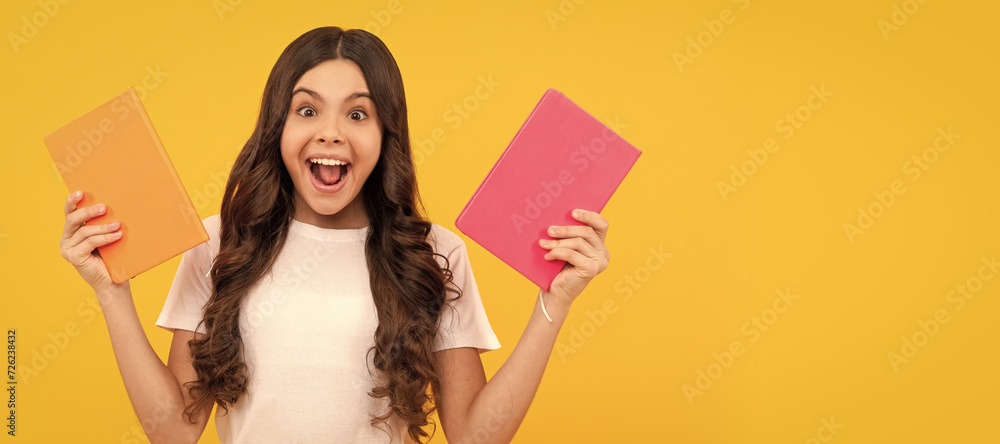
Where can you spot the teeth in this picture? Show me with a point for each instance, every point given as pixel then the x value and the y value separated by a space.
pixel 328 161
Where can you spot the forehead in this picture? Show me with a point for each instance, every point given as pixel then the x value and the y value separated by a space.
pixel 334 79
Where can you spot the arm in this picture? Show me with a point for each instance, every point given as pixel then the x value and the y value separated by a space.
pixel 152 387
pixel 473 410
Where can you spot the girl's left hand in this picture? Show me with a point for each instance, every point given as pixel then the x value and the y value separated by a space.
pixel 583 249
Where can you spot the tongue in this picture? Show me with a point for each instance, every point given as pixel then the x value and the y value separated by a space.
pixel 329 174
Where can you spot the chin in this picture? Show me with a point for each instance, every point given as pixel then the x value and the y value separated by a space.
pixel 327 208
pixel 326 205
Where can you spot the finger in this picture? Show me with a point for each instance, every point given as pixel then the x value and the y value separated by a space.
pixel 71 202
pixel 79 252
pixel 574 243
pixel 68 208
pixel 92 230
pixel 586 267
pixel 100 240
pixel 572 231
pixel 70 247
pixel 593 220
pixel 78 218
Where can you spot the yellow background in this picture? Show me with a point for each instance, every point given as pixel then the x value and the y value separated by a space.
pixel 620 381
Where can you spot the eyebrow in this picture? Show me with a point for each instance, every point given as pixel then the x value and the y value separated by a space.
pixel 316 95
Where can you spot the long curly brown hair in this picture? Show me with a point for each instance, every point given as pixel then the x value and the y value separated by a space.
pixel 408 283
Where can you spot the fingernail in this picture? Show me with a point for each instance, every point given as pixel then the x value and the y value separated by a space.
pixel 77 194
pixel 113 224
pixel 576 213
pixel 544 242
pixel 116 233
pixel 100 207
pixel 553 231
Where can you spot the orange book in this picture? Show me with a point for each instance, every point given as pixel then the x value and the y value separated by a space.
pixel 113 154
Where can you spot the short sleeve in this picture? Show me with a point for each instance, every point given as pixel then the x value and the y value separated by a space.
pixel 190 291
pixel 467 324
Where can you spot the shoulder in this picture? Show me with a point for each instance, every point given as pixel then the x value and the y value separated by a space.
pixel 444 241
pixel 213 225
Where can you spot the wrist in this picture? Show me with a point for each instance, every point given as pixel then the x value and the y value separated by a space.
pixel 113 293
pixel 553 307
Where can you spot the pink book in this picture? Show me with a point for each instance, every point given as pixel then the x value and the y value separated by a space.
pixel 562 158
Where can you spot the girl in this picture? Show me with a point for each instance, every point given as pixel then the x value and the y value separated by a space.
pixel 325 306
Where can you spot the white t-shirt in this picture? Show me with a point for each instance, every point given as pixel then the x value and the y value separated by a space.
pixel 307 327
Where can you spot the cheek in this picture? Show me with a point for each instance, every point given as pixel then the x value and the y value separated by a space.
pixel 373 146
pixel 287 154
pixel 372 153
pixel 292 141
pixel 367 144
pixel 295 130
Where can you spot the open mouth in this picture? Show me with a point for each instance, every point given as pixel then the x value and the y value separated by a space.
pixel 329 172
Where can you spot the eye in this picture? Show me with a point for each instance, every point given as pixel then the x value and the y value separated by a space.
pixel 357 115
pixel 306 111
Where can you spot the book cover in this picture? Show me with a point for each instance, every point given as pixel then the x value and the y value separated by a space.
pixel 560 159
pixel 114 155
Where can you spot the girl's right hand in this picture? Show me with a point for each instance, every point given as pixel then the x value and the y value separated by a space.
pixel 80 241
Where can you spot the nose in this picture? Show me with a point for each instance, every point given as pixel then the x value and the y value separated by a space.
pixel 329 132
